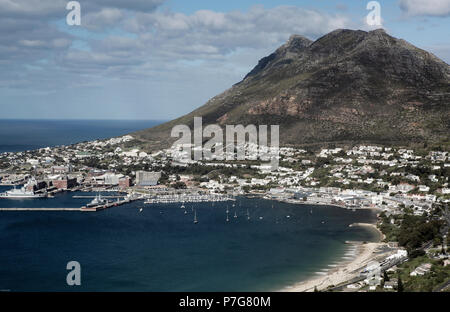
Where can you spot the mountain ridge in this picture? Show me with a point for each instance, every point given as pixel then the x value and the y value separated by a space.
pixel 347 86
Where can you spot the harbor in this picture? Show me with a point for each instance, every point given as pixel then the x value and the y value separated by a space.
pixel 101 198
pixel 160 234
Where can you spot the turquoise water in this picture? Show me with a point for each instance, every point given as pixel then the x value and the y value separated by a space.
pixel 22 135
pixel 161 249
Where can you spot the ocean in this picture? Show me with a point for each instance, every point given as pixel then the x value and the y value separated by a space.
pixel 161 249
pixel 23 135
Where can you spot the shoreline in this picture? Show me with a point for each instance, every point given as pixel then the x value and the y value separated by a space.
pixel 300 202
pixel 373 227
pixel 343 270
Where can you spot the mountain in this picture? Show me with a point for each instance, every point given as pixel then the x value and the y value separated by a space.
pixel 349 86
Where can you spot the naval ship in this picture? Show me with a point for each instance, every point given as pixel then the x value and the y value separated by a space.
pixel 21 193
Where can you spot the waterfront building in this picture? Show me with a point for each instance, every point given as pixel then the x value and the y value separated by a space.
pixel 124 182
pixel 34 185
pixel 64 183
pixel 144 178
pixel 62 169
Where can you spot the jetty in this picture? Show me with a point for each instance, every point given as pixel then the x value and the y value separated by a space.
pixel 187 198
pixel 40 209
pixel 109 204
pixel 83 209
pixel 109 197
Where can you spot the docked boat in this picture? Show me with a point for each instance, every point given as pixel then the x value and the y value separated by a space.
pixel 21 193
pixel 97 201
pixel 195 217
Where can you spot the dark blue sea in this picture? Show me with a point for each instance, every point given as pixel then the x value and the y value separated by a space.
pixel 22 135
pixel 161 249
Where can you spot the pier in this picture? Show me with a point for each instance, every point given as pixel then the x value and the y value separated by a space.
pixel 40 209
pixel 187 198
pixel 108 205
pixel 109 197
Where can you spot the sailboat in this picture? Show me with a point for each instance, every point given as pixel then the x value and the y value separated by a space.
pixel 141 209
pixel 195 217
pixel 248 215
pixel 228 219
pixel 235 214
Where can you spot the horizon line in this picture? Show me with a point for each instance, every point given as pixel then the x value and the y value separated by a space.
pixel 81 119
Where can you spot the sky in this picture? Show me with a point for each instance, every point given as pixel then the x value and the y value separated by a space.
pixel 159 59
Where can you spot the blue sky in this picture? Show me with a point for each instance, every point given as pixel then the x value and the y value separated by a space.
pixel 158 59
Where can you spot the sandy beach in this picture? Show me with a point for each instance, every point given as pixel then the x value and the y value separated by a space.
pixel 365 253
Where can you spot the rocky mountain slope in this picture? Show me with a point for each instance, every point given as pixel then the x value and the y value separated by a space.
pixel 346 87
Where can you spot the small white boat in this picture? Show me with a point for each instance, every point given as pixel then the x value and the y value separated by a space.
pixel 195 217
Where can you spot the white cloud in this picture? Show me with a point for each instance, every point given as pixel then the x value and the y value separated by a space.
pixel 162 49
pixel 258 28
pixel 32 43
pixel 32 8
pixel 103 18
pixel 426 7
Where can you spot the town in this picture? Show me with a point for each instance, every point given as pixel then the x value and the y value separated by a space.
pixel 408 188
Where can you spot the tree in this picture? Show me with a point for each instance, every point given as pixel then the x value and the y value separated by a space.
pixel 179 185
pixel 400 284
pixel 386 277
pixel 416 253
